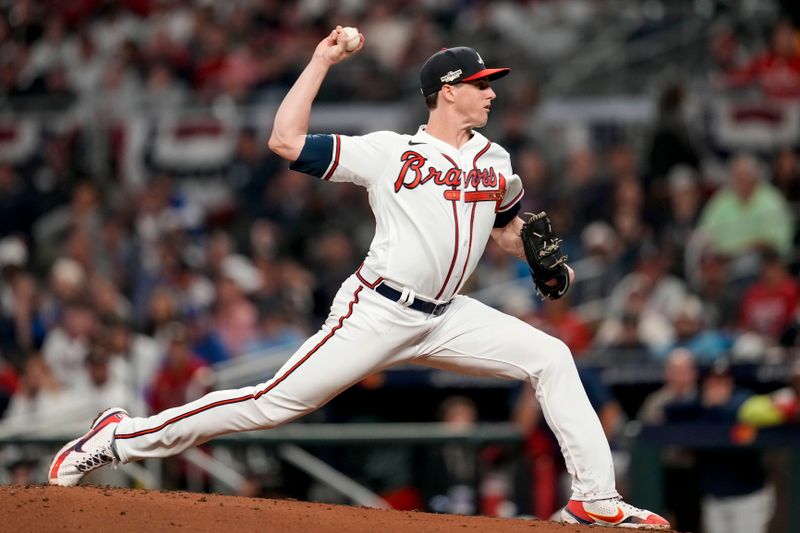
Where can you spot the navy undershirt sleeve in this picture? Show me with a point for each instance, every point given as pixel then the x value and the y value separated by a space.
pixel 502 218
pixel 316 156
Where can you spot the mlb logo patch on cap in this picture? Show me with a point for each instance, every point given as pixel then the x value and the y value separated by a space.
pixel 450 66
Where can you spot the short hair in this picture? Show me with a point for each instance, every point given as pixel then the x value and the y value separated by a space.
pixel 751 161
pixel 432 100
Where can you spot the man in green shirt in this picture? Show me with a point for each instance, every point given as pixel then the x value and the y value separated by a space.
pixel 749 214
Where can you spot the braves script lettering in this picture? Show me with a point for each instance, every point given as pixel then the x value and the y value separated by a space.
pixel 412 175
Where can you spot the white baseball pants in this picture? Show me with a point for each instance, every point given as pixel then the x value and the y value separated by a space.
pixel 365 333
pixel 750 513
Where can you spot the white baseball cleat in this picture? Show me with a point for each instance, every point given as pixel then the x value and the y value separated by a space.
pixel 611 512
pixel 90 452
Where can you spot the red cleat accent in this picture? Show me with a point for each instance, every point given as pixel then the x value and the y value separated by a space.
pixel 611 512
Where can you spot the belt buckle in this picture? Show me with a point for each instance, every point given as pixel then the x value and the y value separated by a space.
pixel 438 309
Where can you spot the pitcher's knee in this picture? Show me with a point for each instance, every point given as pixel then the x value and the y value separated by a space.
pixel 543 354
pixel 557 355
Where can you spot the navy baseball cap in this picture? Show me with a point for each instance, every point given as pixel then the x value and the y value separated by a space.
pixel 450 66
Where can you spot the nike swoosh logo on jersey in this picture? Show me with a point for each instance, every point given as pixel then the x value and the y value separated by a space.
pixel 412 143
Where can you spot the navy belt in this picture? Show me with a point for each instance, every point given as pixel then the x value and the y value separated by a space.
pixel 424 306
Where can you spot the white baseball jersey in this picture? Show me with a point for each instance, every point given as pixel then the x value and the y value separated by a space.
pixel 435 205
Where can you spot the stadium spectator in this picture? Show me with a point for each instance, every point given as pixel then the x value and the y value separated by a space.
pixel 733 484
pixel 633 233
pixel 162 311
pixel 182 377
pixel 725 52
pixel 250 171
pixel 770 304
pixel 135 357
pixel 66 346
pixel 600 268
pixel 9 381
pixel 680 479
pixel 39 398
pixel 790 339
pixel 107 300
pixel 206 342
pixel 101 387
pixel 449 477
pixel 18 297
pixel 534 171
pixel 670 145
pixel 680 385
pixel 84 65
pixel 67 284
pixel 274 330
pixel 691 332
pixel 683 212
pixel 786 176
pixel 651 293
pixel 335 259
pixel 620 339
pixel 623 163
pixel 161 90
pixel 388 20
pixel 747 215
pixel 18 205
pixel 776 71
pixel 498 268
pixel 583 188
pixel 235 316
pixel 558 319
pixel 183 374
pixel 720 297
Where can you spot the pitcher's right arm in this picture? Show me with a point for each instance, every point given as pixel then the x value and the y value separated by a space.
pixel 291 120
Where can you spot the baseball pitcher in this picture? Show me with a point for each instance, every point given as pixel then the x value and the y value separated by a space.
pixel 438 196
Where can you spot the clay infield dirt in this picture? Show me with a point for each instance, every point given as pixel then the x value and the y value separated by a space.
pixel 87 508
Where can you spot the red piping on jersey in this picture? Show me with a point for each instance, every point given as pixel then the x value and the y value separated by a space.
pixel 472 216
pixel 257 395
pixel 337 144
pixel 512 202
pixel 365 282
pixel 455 245
pixel 479 154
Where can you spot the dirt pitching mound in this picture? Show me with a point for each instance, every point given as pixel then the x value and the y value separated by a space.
pixel 87 508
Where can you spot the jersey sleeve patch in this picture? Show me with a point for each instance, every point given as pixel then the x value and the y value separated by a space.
pixel 502 218
pixel 319 156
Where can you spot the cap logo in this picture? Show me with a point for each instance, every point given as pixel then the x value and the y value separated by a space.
pixel 480 59
pixel 450 76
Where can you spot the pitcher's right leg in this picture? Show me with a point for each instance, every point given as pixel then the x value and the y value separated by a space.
pixel 347 348
pixel 343 352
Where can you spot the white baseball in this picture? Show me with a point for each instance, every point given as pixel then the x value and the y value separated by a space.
pixel 349 38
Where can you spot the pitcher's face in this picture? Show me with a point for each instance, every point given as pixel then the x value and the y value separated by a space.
pixel 474 101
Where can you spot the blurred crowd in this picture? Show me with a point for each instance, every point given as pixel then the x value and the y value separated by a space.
pixel 118 295
pixel 158 54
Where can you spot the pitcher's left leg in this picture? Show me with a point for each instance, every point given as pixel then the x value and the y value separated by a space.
pixel 474 338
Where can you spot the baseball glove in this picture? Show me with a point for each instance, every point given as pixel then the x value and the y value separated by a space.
pixel 545 259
